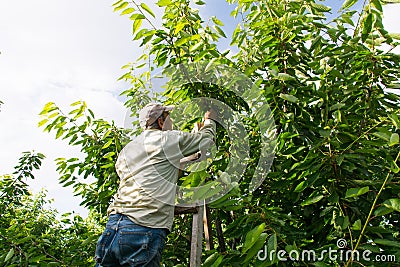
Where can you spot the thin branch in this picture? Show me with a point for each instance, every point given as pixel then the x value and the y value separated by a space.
pixel 372 208
pixel 359 18
pixel 365 133
pixel 140 10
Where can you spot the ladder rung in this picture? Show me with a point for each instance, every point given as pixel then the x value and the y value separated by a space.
pixel 186 210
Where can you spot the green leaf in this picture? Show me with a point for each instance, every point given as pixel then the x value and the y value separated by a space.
pixel 136 25
pixel 106 166
pixel 91 113
pixel 203 190
pixel 355 192
pixel 182 41
pixel 312 200
pixel 382 135
pixel 76 103
pixel 395 36
pixel 393 203
pixel 320 7
pixel 25 239
pixel 252 237
pixel 195 178
pixel 162 3
pixel 390 2
pixel 386 242
pixel 136 16
pixel 210 260
pixel 256 247
pixel 393 167
pixel 337 106
pixel 315 42
pixel 42 122
pixel 377 5
pixel 107 144
pixel 148 10
pixel 301 186
pixel 382 211
pixel 179 27
pixel 357 225
pixel 394 139
pixel 217 21
pixel 89 240
pixel 348 3
pixel 10 254
pixel 109 154
pixel 272 244
pixel 196 46
pixel 121 6
pixel 285 77
pixel 220 31
pixel 117 3
pixel 225 178
pixel 290 98
pixel 139 35
pixel 48 108
pixel 128 11
pixel 68 183
pixel 395 119
pixel 367 26
pixel 60 132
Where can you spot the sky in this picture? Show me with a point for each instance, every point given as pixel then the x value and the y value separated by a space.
pixel 63 51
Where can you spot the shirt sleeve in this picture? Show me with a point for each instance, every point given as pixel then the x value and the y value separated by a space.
pixel 190 143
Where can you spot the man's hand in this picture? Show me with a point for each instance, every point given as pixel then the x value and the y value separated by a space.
pixel 210 114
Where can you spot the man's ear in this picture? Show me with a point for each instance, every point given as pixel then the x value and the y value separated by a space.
pixel 160 122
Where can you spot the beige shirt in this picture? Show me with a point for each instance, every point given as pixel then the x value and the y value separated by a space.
pixel 148 169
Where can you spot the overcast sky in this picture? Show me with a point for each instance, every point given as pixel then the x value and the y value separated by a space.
pixel 63 51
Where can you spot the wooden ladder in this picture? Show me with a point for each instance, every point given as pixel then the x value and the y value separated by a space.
pixel 200 211
pixel 200 225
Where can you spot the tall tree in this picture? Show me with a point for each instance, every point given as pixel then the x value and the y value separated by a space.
pixel 31 234
pixel 335 174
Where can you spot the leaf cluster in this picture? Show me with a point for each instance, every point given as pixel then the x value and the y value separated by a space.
pixel 31 234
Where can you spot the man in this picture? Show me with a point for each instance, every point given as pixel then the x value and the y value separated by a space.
pixel 142 212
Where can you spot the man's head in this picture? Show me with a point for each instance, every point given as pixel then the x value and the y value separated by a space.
pixel 155 116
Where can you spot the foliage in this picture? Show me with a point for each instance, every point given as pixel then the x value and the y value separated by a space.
pixel 100 144
pixel 33 235
pixel 335 174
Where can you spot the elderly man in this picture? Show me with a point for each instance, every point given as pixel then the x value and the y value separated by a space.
pixel 142 212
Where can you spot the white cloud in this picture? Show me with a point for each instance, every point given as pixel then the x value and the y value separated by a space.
pixel 59 51
pixel 391 20
pixel 63 51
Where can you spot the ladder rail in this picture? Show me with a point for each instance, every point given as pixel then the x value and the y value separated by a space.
pixel 200 222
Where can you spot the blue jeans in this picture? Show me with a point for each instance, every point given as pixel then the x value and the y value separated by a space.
pixel 125 243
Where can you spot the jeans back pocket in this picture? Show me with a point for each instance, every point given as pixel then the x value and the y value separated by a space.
pixel 134 246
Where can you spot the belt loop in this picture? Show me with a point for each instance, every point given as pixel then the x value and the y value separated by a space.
pixel 119 220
